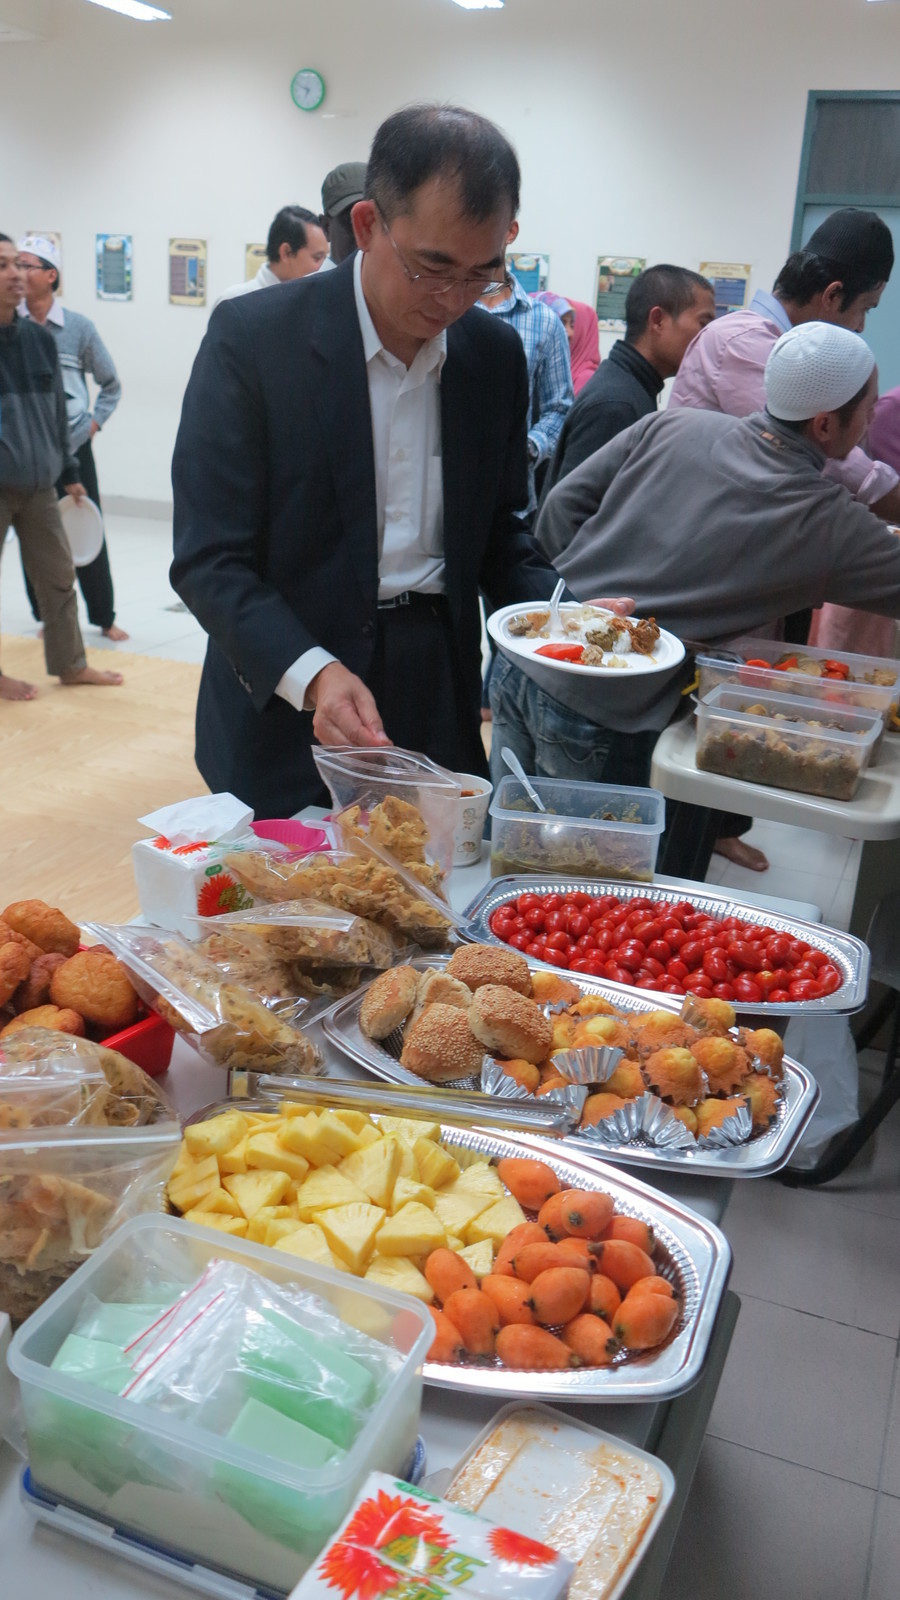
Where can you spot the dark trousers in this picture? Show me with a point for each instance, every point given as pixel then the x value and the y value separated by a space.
pixel 419 688
pixel 94 580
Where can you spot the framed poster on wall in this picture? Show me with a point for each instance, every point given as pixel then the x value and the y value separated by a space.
pixel 113 266
pixel 729 280
pixel 187 272
pixel 532 271
pixel 615 275
pixel 254 256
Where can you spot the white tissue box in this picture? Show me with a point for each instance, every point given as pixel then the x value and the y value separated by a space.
pixel 180 873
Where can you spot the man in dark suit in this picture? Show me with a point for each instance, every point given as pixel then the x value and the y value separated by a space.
pixel 351 454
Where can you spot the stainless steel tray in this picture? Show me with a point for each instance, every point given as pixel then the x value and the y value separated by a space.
pixel 849 955
pixel 759 1158
pixel 690 1251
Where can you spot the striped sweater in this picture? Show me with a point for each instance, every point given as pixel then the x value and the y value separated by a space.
pixel 34 430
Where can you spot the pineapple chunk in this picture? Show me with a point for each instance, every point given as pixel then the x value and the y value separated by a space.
pixel 368 1135
pixel 396 1272
pixel 374 1170
pixel 324 1188
pixel 253 1190
pixel 480 1257
pixel 455 1243
pixel 281 1228
pixel 435 1166
pixel 339 1134
pixel 261 1220
pixel 350 1232
pixel 322 1140
pixel 214 1219
pixel 480 1179
pixel 408 1165
pixel 410 1128
pixel 310 1243
pixel 189 1189
pixel 221 1201
pixel 406 1189
pixel 264 1150
pixel 213 1138
pixel 496 1222
pixel 414 1231
pixel 355 1120
pixel 234 1160
pixel 184 1162
pixel 456 1211
pixel 261 1119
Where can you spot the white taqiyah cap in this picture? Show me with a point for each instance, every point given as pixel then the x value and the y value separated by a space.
pixel 815 367
pixel 37 244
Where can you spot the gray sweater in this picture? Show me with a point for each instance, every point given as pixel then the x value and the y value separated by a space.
pixel 81 351
pixel 718 526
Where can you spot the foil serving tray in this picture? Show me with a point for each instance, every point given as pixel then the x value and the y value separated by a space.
pixel 691 1252
pixel 764 1154
pixel 849 954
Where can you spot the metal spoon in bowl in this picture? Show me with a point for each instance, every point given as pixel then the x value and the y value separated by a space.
pixel 518 771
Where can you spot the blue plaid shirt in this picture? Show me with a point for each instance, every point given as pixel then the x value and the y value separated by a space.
pixel 549 372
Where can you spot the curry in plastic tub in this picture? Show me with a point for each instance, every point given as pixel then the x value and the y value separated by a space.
pixel 593 829
pixel 591 1496
pixel 785 742
pixel 86 1141
pixel 224 1399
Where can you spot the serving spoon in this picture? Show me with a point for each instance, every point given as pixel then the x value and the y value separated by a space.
pixel 518 771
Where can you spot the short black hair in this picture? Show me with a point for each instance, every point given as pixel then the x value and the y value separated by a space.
pixel 289 227
pixel 48 266
pixel 5 239
pixel 422 142
pixel 806 273
pixel 670 288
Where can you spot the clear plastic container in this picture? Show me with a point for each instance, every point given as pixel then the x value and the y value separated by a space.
pixel 785 742
pixel 173 1481
pixel 365 778
pixel 855 692
pixel 594 830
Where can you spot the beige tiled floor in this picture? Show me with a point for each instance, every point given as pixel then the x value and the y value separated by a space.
pixel 797 1494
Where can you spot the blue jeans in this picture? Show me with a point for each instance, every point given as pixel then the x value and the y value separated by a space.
pixel 553 742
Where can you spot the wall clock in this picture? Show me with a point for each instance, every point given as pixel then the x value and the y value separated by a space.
pixel 308 89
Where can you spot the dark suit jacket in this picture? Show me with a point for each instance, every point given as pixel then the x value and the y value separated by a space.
pixel 624 388
pixel 276 546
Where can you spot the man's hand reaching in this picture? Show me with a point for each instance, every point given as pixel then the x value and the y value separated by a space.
pixel 344 710
pixel 622 607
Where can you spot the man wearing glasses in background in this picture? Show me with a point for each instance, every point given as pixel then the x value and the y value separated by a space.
pixel 351 456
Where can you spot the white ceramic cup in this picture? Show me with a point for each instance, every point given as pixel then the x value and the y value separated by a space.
pixel 471 816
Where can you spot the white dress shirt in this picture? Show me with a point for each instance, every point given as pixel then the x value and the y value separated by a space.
pixel 405 404
pixel 264 279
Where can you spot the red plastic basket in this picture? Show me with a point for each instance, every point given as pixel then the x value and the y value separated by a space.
pixel 147 1043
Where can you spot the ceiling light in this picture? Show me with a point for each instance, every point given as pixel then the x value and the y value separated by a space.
pixel 134 9
pixel 480 5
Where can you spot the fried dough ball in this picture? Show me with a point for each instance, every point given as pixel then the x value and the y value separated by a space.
pixel 524 1073
pixel 14 969
pixel 712 1113
pixel 388 1001
pixel 599 1106
pixel 592 1005
pixel 44 925
pixel 440 1045
pixel 96 985
pixel 57 1019
pixel 563 1031
pixel 686 1115
pixel 726 1065
pixel 507 1022
pixel 35 991
pixel 598 1031
pixel 478 964
pixel 627 1081
pixel 716 1016
pixel 551 989
pixel 674 1075
pixel 762 1095
pixel 659 1030
pixel 9 935
pixel 766 1045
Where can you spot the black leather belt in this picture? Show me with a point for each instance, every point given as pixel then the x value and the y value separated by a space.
pixel 411 597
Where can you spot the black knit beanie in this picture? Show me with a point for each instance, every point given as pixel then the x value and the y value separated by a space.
pixel 852 238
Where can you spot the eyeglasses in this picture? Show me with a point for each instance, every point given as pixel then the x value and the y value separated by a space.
pixel 440 282
pixel 34 266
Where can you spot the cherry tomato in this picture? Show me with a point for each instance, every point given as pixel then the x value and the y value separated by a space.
pixel 749 956
pixel 805 989
pixel 556 958
pixel 647 983
pixel 519 941
pixel 830 979
pixel 605 939
pixel 534 917
pixel 529 902
pixel 723 991
pixel 677 969
pixel 654 968
pixel 617 974
pixel 630 956
pixel 778 996
pixel 691 953
pixel 671 987
pixel 746 988
pixel 674 936
pixel 818 959
pixel 647 930
pixel 715 966
pixel 660 950
pixel 578 925
pixel 536 951
pixel 703 991
pixel 558 941
pixel 552 902
pixel 555 921
pixel 778 949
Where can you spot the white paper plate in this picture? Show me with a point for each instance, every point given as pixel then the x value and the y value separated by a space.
pixel 83 526
pixel 668 653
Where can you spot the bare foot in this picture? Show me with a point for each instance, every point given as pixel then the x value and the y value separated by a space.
pixel 115 633
pixel 743 855
pixel 90 675
pixel 16 689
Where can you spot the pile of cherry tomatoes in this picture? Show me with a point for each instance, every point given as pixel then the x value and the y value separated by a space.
pixel 675 949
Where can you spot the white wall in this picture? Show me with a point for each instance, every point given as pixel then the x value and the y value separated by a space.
pixel 665 128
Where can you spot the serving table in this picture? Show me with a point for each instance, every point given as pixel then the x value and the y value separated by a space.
pixel 41 1564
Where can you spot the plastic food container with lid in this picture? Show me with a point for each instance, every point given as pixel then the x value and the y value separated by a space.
pixel 173 1481
pixel 784 741
pixel 593 829
pixel 855 692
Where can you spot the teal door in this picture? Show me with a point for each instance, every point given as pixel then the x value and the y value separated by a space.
pixel 883 325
